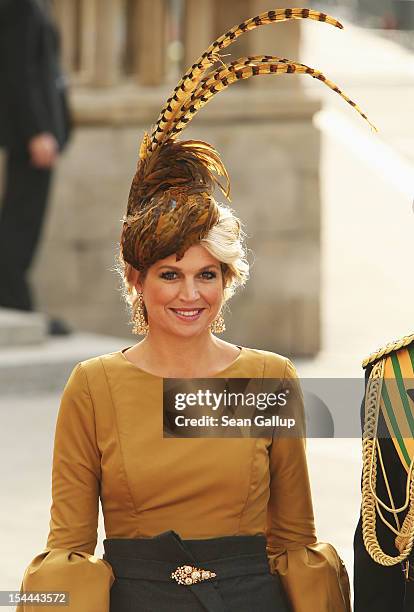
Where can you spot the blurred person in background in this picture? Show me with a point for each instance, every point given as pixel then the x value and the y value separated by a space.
pixel 34 129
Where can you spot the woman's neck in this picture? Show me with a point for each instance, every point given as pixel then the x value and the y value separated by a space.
pixel 186 357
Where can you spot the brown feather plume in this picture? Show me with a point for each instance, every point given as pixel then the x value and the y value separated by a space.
pixel 190 162
pixel 171 193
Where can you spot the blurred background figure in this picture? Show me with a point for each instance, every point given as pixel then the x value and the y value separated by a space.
pixel 34 129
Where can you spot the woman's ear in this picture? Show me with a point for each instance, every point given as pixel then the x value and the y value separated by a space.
pixel 132 276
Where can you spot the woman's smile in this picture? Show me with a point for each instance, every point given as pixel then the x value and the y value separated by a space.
pixel 185 314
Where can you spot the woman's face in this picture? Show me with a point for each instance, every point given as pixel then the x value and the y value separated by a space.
pixel 172 288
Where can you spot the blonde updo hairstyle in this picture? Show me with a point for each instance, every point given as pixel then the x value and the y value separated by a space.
pixel 224 241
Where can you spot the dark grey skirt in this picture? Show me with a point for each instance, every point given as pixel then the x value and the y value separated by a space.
pixel 143 581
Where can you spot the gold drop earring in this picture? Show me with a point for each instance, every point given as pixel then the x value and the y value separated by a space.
pixel 218 326
pixel 140 326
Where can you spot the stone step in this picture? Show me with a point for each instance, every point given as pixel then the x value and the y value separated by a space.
pixel 46 367
pixel 19 328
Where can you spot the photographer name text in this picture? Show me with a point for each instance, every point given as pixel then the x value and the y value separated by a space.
pixel 225 421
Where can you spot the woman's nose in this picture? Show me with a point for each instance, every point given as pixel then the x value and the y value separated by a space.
pixel 189 290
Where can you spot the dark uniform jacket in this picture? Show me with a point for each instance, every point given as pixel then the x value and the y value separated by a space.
pixel 380 588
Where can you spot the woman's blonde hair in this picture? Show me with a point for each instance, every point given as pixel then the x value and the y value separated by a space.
pixel 225 241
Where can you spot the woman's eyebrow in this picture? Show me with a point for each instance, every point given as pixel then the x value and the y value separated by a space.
pixel 179 269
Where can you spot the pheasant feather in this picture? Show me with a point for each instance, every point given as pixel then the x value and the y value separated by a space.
pixel 245 68
pixel 193 75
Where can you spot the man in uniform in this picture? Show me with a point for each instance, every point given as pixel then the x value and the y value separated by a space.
pixel 383 557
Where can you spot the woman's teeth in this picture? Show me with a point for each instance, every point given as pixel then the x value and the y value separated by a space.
pixel 190 315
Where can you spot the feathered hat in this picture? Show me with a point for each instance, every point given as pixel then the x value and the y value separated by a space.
pixel 170 204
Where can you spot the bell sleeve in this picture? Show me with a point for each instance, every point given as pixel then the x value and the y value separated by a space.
pixel 67 563
pixel 313 575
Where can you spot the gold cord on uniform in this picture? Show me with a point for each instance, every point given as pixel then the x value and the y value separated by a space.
pixel 371 503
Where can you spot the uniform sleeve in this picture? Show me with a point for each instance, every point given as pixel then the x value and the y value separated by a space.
pixel 67 563
pixel 313 575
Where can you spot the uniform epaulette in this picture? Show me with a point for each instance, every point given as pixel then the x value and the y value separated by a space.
pixel 388 348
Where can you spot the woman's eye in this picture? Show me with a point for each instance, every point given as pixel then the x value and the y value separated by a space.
pixel 167 276
pixel 213 274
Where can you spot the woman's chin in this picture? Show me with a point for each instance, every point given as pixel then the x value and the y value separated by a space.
pixel 186 330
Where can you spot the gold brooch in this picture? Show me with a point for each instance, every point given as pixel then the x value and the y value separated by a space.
pixel 188 574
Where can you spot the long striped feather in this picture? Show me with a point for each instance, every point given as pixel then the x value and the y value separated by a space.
pixel 245 68
pixel 192 77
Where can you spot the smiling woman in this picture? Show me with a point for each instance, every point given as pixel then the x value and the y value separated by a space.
pixel 233 513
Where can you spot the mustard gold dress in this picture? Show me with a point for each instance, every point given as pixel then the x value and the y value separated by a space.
pixel 109 445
